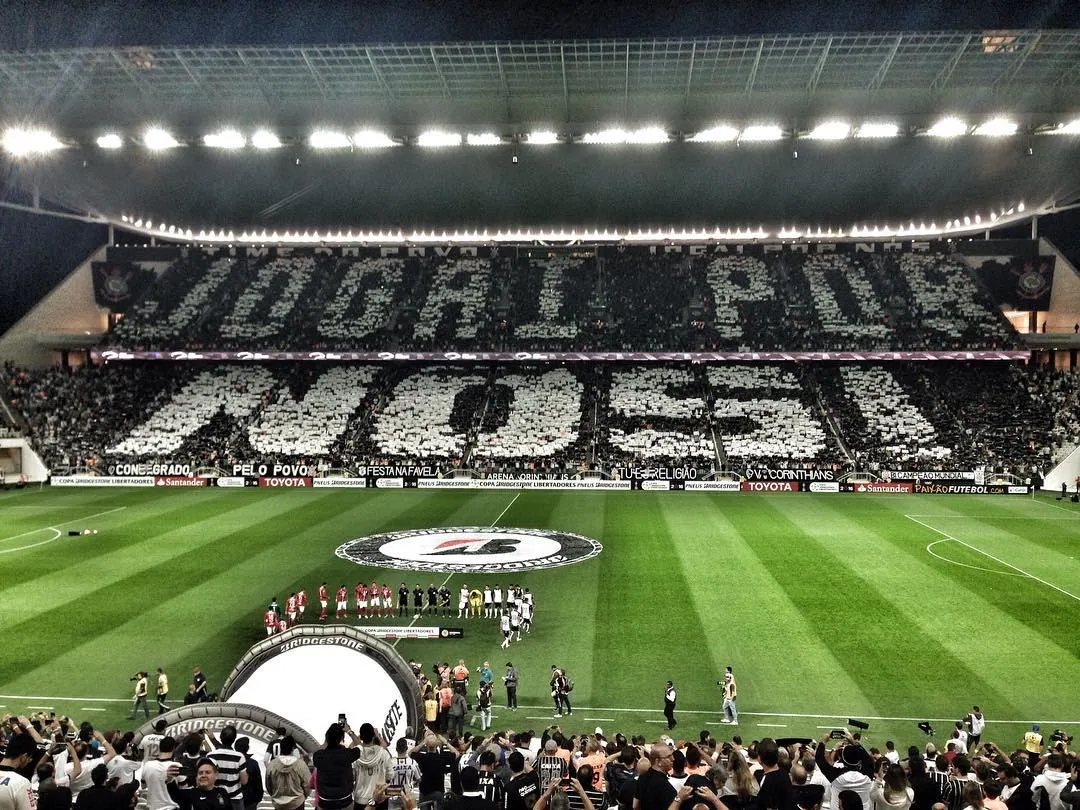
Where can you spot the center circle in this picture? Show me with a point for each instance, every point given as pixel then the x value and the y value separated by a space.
pixel 470 548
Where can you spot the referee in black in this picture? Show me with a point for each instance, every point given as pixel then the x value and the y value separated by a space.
pixel 669 704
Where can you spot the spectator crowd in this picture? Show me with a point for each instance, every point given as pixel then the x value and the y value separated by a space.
pixel 57 764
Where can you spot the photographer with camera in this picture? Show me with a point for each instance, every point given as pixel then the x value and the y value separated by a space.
pixel 139 698
pixel 731 713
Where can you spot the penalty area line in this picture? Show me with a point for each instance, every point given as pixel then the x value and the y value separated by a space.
pixel 53 528
pixel 995 559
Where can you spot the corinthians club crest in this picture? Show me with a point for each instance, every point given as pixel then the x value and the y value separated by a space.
pixel 1032 281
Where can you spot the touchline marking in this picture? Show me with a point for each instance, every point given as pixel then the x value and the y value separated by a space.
pixel 994 517
pixel 451 574
pixel 703 712
pixel 54 528
pixel 996 559
pixel 932 553
pixel 88 709
pixel 601 719
pixel 771 725
pixel 66 699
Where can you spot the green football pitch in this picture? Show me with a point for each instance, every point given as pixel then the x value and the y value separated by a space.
pixel 886 608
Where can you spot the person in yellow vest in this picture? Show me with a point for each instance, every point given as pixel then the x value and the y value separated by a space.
pixel 1033 741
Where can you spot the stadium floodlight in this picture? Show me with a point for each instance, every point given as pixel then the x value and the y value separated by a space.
pixel 830 131
pixel 22 142
pixel 482 139
pixel 1071 128
pixel 372 139
pixel 949 127
pixel 435 138
pixel 996 128
pixel 722 133
pixel 110 141
pixel 648 135
pixel 265 139
pixel 157 139
pixel 762 132
pixel 225 139
pixel 873 129
pixel 605 136
pixel 328 139
pixel 542 137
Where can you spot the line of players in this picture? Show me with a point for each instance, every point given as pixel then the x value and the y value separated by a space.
pixel 514 608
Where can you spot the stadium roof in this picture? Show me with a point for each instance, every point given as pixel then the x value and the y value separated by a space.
pixel 683 85
pixel 495 83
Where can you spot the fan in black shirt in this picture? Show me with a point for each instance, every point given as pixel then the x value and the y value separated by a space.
pixel 207 795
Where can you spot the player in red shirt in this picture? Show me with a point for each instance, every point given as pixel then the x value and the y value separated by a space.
pixel 270 621
pixel 361 600
pixel 323 597
pixel 342 602
pixel 282 625
pixel 290 608
pixel 301 602
pixel 374 597
pixel 387 601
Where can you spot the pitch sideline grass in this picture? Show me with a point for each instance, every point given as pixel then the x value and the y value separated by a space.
pixel 825 605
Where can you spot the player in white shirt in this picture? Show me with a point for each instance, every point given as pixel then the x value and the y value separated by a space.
pixel 489 610
pixel 526 616
pixel 497 598
pixel 515 622
pixel 462 601
pixel 504 623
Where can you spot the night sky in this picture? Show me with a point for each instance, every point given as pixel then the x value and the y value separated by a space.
pixel 33 24
pixel 35 253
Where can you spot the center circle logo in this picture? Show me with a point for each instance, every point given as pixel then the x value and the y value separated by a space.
pixel 470 549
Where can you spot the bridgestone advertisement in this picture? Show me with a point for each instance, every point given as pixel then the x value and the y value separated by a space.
pixel 251 721
pixel 312 673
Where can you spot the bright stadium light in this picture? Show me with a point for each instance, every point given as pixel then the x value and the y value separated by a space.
pixel 948 128
pixel 225 139
pixel 483 139
pixel 722 133
pixel 830 131
pixel 434 138
pixel 110 141
pixel 762 132
pixel 648 135
pixel 605 136
pixel 543 137
pixel 20 142
pixel 996 128
pixel 1071 128
pixel 328 139
pixel 873 129
pixel 265 139
pixel 372 139
pixel 156 139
